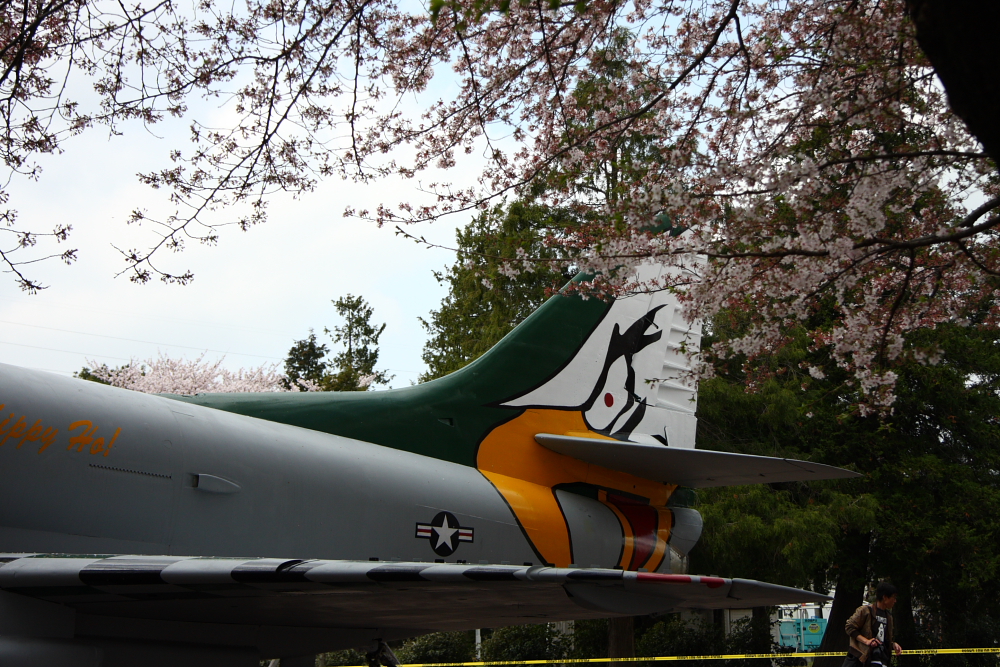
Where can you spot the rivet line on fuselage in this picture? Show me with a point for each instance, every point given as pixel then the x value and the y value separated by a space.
pixel 135 472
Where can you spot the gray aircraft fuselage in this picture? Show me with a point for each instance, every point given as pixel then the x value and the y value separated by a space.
pixel 180 479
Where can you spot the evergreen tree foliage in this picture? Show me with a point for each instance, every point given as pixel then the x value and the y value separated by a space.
pixel 782 534
pixel 353 368
pixel 484 303
pixel 923 516
pixel 306 361
pixel 935 473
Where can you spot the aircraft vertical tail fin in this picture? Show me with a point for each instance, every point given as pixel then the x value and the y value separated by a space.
pixel 623 364
pixel 615 368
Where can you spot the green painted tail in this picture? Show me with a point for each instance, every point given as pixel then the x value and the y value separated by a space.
pixel 560 345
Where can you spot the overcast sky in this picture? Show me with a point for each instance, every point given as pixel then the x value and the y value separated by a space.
pixel 254 293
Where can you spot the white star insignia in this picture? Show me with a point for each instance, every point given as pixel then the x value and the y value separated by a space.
pixel 444 534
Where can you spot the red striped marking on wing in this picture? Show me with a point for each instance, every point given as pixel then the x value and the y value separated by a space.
pixel 711 582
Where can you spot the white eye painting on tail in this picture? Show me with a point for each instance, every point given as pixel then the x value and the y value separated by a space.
pixel 630 378
pixel 614 406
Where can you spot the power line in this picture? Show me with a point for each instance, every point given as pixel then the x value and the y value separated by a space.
pixel 134 340
pixel 90 309
pixel 52 349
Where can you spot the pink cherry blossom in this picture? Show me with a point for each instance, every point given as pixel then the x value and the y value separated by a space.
pixel 165 375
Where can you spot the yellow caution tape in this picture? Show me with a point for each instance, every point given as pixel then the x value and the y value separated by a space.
pixel 670 658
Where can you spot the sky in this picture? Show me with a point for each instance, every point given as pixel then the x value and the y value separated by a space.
pixel 254 293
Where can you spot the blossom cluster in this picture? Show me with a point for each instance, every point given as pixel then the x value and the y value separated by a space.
pixel 166 375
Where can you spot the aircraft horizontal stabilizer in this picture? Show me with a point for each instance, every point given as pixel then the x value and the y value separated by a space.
pixel 399 599
pixel 695 468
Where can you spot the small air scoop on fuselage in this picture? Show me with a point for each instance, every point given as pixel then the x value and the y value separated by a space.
pixel 694 468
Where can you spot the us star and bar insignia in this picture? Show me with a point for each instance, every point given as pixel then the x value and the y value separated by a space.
pixel 445 533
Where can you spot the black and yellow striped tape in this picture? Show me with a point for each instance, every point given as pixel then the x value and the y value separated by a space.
pixel 673 658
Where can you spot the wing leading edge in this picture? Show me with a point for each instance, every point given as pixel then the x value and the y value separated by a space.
pixel 694 468
pixel 346 594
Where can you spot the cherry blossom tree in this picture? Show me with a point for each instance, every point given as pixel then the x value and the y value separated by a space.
pixel 164 375
pixel 806 147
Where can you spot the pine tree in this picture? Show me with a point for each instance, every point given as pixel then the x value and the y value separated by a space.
pixel 353 369
pixel 306 362
pixel 309 366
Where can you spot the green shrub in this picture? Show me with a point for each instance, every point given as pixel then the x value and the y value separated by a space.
pixel 525 642
pixel 439 647
pixel 590 639
pixel 677 636
pixel 337 658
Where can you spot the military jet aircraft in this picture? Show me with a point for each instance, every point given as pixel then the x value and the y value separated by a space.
pixel 548 480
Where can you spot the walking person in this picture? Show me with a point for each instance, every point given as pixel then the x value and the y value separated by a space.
pixel 870 630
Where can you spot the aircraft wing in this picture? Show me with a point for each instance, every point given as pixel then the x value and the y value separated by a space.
pixel 694 468
pixel 111 594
